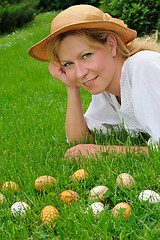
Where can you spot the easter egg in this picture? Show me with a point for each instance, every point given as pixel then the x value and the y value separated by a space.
pixel 69 196
pixel 150 196
pixel 118 208
pixel 49 214
pixel 96 207
pixel 19 208
pixel 2 198
pixel 10 186
pixel 44 182
pixel 98 192
pixel 80 175
pixel 125 180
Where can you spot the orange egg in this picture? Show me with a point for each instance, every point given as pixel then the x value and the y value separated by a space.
pixel 69 196
pixel 125 180
pixel 118 208
pixel 49 214
pixel 80 175
pixel 10 186
pixel 44 182
pixel 97 193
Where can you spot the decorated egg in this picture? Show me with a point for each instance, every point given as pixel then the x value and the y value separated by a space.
pixel 96 207
pixel 10 186
pixel 125 180
pixel 122 206
pixel 19 208
pixel 80 175
pixel 69 196
pixel 150 196
pixel 49 214
pixel 98 192
pixel 44 182
pixel 2 198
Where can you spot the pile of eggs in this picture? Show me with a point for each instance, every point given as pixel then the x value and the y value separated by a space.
pixel 98 195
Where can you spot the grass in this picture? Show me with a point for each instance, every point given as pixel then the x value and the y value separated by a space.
pixel 33 143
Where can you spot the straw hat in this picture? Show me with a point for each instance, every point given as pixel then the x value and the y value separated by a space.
pixel 78 17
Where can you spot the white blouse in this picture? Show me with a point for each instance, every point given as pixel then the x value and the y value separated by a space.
pixel 140 99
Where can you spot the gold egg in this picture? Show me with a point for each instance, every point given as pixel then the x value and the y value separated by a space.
pixel 49 214
pixel 122 205
pixel 80 175
pixel 125 180
pixel 44 182
pixel 69 196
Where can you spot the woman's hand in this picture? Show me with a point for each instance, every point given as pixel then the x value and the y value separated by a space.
pixel 85 150
pixel 57 71
pixel 88 150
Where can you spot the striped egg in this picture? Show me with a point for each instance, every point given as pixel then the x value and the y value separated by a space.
pixel 98 192
pixel 69 196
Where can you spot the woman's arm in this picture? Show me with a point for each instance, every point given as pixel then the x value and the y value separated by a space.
pixel 76 128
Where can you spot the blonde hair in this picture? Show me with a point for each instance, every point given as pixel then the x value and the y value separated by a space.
pixel 96 37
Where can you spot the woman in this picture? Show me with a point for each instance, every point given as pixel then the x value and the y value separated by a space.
pixel 89 49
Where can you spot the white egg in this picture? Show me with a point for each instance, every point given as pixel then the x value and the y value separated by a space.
pixel 96 207
pixel 19 208
pixel 150 196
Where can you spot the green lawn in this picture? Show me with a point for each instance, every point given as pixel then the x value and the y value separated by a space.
pixel 33 143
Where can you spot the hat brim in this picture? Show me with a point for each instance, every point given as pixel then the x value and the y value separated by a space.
pixel 39 50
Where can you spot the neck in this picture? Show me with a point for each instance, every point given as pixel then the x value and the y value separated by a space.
pixel 114 87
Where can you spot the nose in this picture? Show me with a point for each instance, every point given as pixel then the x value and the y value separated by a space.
pixel 81 70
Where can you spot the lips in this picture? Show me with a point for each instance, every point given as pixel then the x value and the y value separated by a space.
pixel 90 82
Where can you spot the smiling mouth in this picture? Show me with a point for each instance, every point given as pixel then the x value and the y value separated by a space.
pixel 90 82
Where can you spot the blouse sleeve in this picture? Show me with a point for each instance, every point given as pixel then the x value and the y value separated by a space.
pixel 146 92
pixel 101 114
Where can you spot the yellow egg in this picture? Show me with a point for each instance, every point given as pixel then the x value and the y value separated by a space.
pixel 10 186
pixel 125 180
pixel 44 182
pixel 69 196
pixel 98 192
pixel 49 214
pixel 80 175
pixel 2 198
pixel 117 209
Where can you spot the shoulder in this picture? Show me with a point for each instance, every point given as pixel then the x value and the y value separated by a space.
pixel 142 59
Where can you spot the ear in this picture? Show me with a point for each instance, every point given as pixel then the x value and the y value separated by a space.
pixel 112 44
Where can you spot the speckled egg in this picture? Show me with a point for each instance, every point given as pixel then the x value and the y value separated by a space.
pixel 19 208
pixel 80 175
pixel 69 196
pixel 10 186
pixel 98 192
pixel 49 214
pixel 125 180
pixel 118 209
pixel 44 182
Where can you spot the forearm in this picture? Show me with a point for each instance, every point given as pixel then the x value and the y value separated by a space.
pixel 76 127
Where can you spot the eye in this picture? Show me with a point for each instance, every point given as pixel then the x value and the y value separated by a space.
pixel 68 64
pixel 87 55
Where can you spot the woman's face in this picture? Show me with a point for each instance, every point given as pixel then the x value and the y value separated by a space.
pixel 91 68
